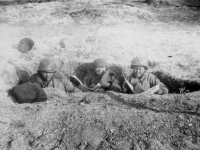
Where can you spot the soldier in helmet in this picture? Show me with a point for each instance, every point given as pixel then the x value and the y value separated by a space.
pixel 141 80
pixel 98 75
pixel 48 76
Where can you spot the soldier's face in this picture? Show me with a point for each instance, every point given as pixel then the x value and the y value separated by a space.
pixel 46 76
pixel 138 71
pixel 100 70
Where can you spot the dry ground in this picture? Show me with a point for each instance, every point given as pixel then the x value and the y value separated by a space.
pixel 77 32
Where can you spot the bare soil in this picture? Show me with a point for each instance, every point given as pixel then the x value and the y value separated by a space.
pixel 77 32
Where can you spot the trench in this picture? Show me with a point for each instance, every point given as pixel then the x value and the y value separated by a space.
pixel 175 85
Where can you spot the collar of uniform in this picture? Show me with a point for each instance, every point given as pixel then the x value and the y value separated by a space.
pixel 42 82
pixel 143 76
pixel 98 76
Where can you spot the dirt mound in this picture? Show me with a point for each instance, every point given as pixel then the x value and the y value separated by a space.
pixel 108 121
pixel 12 74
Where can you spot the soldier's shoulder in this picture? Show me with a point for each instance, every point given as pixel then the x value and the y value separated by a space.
pixel 152 76
pixel 112 73
pixel 33 77
pixel 90 73
pixel 59 75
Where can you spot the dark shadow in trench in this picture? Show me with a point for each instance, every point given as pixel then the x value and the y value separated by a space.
pixel 174 85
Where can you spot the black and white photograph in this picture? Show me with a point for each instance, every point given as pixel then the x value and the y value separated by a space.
pixel 99 74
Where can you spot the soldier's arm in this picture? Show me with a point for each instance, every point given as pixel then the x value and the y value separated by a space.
pixel 123 85
pixel 113 84
pixel 34 79
pixel 125 88
pixel 69 86
pixel 155 81
pixel 86 82
pixel 87 78
pixel 40 95
pixel 65 81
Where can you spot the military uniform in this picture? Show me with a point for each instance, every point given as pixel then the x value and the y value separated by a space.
pixel 141 80
pixel 91 79
pixel 145 82
pixel 58 81
pixel 101 77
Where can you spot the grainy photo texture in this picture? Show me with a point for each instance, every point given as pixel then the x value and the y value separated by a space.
pixel 99 74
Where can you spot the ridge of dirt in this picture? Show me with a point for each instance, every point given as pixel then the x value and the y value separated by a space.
pixel 108 121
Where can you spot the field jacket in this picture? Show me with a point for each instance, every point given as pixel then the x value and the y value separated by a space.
pixel 91 79
pixel 145 82
pixel 58 81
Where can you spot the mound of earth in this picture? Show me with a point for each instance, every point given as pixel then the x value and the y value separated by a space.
pixel 99 121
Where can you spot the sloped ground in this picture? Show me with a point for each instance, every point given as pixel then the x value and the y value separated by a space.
pixel 190 3
pixel 75 34
pixel 103 121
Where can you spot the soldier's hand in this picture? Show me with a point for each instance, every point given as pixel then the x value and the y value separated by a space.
pixel 160 92
pixel 105 84
pixel 92 85
pixel 83 88
pixel 121 80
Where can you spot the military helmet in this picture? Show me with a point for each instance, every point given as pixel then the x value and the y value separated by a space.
pixel 47 65
pixel 140 62
pixel 99 62
pixel 25 45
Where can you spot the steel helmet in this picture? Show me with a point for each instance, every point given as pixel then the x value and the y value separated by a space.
pixel 47 65
pixel 140 62
pixel 25 45
pixel 99 62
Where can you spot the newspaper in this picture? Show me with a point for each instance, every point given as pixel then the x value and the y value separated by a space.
pixel 129 85
pixel 151 90
pixel 148 92
pixel 103 79
pixel 84 86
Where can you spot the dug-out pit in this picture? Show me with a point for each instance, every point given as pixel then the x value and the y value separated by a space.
pixel 175 85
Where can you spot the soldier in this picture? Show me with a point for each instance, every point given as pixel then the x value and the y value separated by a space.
pixel 48 76
pixel 102 76
pixel 141 80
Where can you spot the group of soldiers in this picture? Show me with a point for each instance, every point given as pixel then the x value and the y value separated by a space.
pixel 140 79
